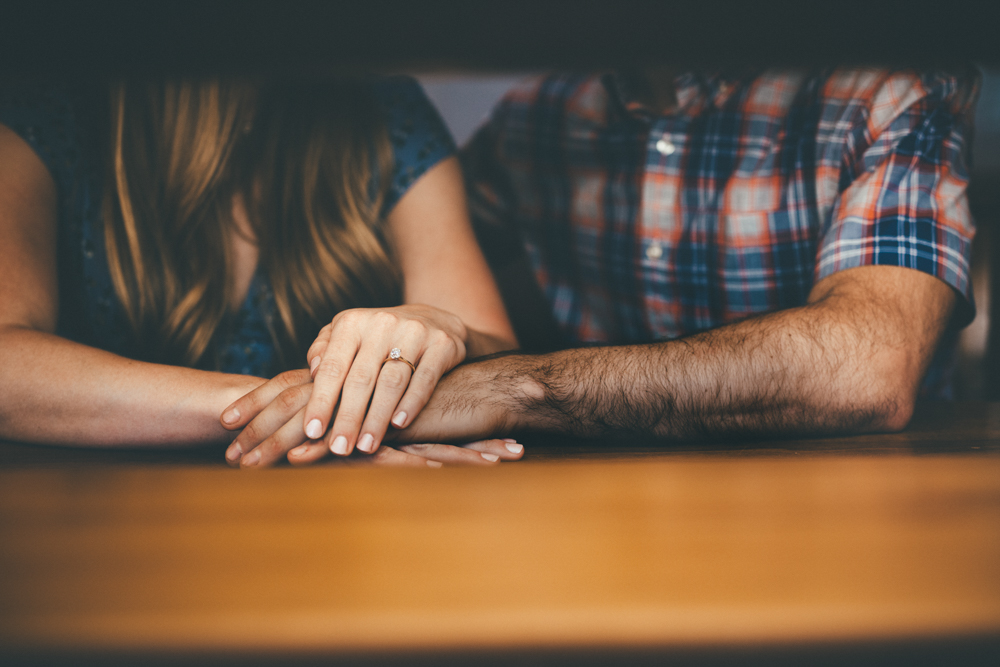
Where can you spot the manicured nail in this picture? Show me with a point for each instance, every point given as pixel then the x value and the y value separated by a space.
pixel 509 440
pixel 492 458
pixel 314 429
pixel 399 419
pixel 313 365
pixel 251 459
pixel 366 443
pixel 235 452
pixel 231 416
pixel 339 445
pixel 435 464
pixel 514 448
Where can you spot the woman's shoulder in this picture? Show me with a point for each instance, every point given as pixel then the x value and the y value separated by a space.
pixel 419 137
pixel 54 119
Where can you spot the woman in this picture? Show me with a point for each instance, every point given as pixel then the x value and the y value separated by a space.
pixel 170 245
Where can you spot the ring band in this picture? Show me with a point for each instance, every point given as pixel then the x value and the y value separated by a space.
pixel 394 355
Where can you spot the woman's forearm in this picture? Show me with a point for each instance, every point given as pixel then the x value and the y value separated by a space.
pixel 480 343
pixel 55 391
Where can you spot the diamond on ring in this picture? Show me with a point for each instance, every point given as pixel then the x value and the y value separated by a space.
pixel 396 355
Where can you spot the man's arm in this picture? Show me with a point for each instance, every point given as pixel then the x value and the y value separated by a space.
pixel 850 360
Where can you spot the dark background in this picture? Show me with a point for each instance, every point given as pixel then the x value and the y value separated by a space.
pixel 314 38
pixel 467 53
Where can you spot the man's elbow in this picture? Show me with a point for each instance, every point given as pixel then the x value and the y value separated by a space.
pixel 896 412
pixel 890 401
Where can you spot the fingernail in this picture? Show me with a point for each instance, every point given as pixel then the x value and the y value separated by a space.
pixel 313 365
pixel 509 440
pixel 514 448
pixel 231 416
pixel 399 419
pixel 314 429
pixel 492 458
pixel 251 459
pixel 435 464
pixel 234 452
pixel 339 445
pixel 301 450
pixel 366 443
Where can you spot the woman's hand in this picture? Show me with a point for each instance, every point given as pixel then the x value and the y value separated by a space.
pixel 353 362
pixel 271 419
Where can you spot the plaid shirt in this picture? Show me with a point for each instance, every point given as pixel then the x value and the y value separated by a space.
pixel 644 226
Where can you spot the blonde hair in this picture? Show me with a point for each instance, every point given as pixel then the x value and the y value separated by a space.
pixel 312 164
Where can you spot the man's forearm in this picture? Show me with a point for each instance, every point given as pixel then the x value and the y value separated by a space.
pixel 848 361
pixel 768 374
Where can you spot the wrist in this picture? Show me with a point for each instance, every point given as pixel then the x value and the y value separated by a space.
pixel 520 381
pixel 218 393
pixel 233 387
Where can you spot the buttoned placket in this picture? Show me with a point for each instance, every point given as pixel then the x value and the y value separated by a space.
pixel 663 154
pixel 660 190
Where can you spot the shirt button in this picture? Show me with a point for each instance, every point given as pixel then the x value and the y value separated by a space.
pixel 654 251
pixel 665 147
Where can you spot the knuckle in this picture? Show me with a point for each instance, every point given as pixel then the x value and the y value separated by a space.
pixel 442 338
pixel 347 425
pixel 394 376
pixel 359 379
pixel 272 449
pixel 250 436
pixel 414 328
pixel 289 379
pixel 330 370
pixel 424 382
pixel 348 420
pixel 351 319
pixel 384 319
pixel 290 399
pixel 350 315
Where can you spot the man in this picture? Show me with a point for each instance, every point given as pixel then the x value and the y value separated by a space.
pixel 780 253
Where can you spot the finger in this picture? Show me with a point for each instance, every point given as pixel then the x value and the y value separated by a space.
pixel 284 407
pixel 452 455
pixel 308 452
pixel 331 374
pixel 240 412
pixel 357 394
pixel 433 364
pixel 277 445
pixel 387 456
pixel 507 449
pixel 316 351
pixel 392 381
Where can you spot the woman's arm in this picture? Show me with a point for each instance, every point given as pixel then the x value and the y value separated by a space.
pixel 54 391
pixel 441 261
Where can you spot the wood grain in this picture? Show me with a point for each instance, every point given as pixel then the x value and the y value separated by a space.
pixel 673 551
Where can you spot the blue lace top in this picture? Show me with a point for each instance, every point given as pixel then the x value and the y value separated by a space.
pixel 61 125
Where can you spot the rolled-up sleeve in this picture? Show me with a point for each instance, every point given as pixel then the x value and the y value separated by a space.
pixel 902 198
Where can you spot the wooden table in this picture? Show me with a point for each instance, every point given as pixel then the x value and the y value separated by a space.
pixel 868 548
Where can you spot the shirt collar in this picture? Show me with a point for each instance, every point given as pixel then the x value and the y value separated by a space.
pixel 695 93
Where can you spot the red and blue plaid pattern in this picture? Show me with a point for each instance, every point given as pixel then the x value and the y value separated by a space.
pixel 645 226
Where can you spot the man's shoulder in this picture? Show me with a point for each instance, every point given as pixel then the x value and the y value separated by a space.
pixel 883 92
